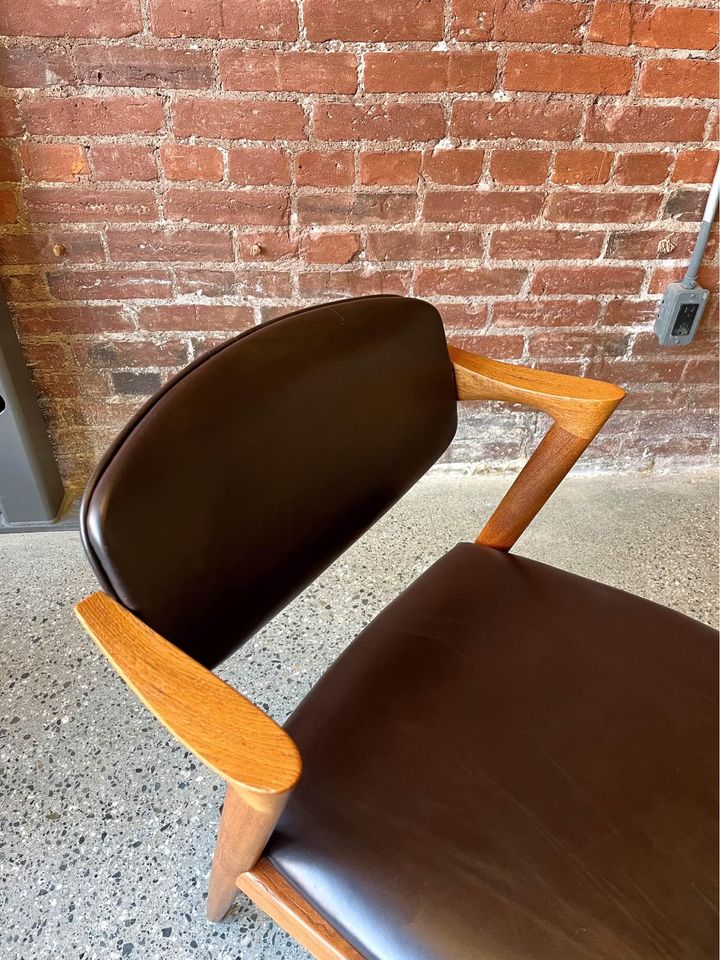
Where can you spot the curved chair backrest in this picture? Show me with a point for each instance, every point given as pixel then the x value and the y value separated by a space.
pixel 260 463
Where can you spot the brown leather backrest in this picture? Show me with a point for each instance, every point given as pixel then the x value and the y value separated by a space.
pixel 255 467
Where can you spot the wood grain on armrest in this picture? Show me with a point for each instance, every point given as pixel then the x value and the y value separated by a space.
pixel 577 404
pixel 579 407
pixel 222 728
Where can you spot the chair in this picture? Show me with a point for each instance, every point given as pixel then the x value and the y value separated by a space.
pixel 509 762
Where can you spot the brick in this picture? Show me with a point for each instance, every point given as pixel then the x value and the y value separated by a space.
pixel 260 20
pixel 526 120
pixel 127 66
pixel 582 166
pixel 71 18
pixel 26 248
pixel 650 398
pixel 130 353
pixel 135 383
pixel 587 280
pixel 685 205
pixel 568 346
pixel 543 22
pixel 230 282
pixel 662 276
pixel 64 384
pixel 9 209
pixel 49 356
pixel 472 206
pixel 25 287
pixel 455 167
pixel 182 162
pixel 627 313
pixel 521 167
pixel 88 205
pixel 702 371
pixel 330 247
pixel 546 244
pixel 206 342
pixel 99 116
pixel 34 67
pixel 495 445
pixel 387 169
pixel 334 168
pixel 465 281
pixel 545 313
pixel 353 283
pixel 642 168
pixel 430 72
pixel 270 311
pixel 110 284
pixel 645 124
pixel 627 373
pixel 695 166
pixel 254 208
pixel 645 344
pixel 168 245
pixel 262 247
pixel 651 245
pixel 498 347
pixel 53 320
pixel 464 316
pixel 10 125
pixel 239 119
pixel 677 447
pixel 123 161
pixel 59 162
pixel 679 78
pixel 567 72
pixel 374 22
pixel 611 22
pixel 258 166
pixel 615 207
pixel 378 121
pixel 650 25
pixel 295 72
pixel 355 208
pixel 417 244
pixel 472 20
pixel 9 165
pixel 196 317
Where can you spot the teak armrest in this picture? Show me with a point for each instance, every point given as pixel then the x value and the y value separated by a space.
pixel 221 727
pixel 579 407
pixel 231 736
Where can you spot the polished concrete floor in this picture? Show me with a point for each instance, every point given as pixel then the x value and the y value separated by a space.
pixel 108 827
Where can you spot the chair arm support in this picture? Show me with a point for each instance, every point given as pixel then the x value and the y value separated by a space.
pixel 578 406
pixel 231 736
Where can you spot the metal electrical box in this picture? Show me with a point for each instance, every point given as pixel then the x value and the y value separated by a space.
pixel 31 490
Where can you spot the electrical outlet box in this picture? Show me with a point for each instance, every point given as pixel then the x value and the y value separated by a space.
pixel 679 314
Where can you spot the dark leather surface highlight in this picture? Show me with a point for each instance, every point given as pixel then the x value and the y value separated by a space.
pixel 251 471
pixel 512 763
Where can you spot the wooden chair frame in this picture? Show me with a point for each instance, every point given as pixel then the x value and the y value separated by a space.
pixel 258 760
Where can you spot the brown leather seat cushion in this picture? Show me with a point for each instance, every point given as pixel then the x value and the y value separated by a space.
pixel 512 763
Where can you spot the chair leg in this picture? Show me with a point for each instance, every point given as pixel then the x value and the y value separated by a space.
pixel 246 823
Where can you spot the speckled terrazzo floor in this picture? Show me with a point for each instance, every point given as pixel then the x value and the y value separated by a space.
pixel 107 827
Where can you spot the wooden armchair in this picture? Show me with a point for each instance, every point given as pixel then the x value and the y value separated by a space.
pixel 509 762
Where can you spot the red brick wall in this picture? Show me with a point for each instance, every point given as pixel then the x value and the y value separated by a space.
pixel 176 171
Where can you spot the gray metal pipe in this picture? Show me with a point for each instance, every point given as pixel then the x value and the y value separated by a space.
pixel 689 281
